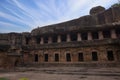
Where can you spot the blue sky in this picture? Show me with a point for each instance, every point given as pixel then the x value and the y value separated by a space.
pixel 25 15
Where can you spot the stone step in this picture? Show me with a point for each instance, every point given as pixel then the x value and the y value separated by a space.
pixel 88 64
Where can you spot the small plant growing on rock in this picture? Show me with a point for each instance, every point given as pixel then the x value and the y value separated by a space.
pixel 23 79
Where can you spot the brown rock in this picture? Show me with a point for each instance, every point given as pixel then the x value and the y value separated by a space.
pixel 96 10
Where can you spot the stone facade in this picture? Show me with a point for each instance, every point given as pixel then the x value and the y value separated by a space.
pixel 94 38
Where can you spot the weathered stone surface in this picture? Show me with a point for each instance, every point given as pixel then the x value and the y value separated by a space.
pixel 102 17
pixel 97 10
pixel 102 55
pixel 71 37
pixel 116 14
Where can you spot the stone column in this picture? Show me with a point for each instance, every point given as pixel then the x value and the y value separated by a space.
pixel 12 39
pixel 113 34
pixel 79 37
pixel 68 38
pixel 33 41
pixel 50 40
pixel 42 40
pixel 89 36
pixel 100 35
pixel 23 40
pixel 59 39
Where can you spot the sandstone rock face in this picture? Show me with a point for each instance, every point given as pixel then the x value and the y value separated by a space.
pixel 97 33
pixel 97 10
pixel 98 16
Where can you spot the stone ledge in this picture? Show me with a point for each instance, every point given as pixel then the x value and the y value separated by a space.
pixel 75 64
pixel 73 44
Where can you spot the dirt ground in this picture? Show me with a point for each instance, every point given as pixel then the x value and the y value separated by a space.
pixel 63 73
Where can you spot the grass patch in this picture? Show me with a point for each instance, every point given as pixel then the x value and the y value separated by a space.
pixel 1 78
pixel 23 79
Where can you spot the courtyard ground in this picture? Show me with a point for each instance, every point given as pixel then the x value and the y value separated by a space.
pixel 63 73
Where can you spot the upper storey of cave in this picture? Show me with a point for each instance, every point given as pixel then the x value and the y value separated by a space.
pixel 98 17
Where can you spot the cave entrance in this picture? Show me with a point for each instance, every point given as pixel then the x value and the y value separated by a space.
pixel 36 57
pixel 80 56
pixel 68 57
pixel 46 57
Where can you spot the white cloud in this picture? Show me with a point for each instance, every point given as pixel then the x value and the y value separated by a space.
pixel 14 19
pixel 6 24
pixel 50 11
pixel 9 27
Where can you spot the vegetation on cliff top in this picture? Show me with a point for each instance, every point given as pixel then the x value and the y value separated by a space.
pixel 116 5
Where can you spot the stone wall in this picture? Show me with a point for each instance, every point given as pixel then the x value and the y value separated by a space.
pixel 20 48
pixel 87 54
pixel 10 43
pixel 7 62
